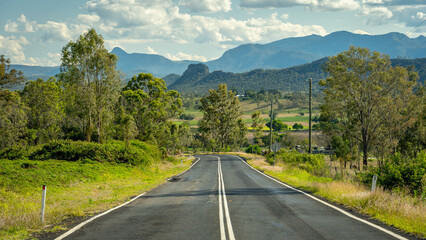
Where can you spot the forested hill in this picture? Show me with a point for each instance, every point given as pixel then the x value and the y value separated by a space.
pixel 197 79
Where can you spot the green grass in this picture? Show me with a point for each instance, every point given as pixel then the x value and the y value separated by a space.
pixel 74 188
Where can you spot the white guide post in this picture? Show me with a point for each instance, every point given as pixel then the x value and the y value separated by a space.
pixel 373 185
pixel 43 203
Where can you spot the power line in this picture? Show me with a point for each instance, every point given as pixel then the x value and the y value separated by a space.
pixel 415 27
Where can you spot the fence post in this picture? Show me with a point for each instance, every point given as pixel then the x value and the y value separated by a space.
pixel 43 203
pixel 373 185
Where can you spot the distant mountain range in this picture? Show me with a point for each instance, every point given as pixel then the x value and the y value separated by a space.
pixel 276 55
pixel 197 78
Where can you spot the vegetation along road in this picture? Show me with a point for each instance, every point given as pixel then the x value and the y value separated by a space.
pixel 222 197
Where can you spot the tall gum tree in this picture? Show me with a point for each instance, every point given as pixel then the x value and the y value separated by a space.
pixel 222 124
pixel 90 77
pixel 370 98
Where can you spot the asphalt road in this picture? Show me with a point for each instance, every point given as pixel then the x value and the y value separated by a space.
pixel 221 197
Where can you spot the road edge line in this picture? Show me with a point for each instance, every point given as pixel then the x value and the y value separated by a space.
pixel 74 229
pixel 328 204
pixel 225 205
pixel 221 221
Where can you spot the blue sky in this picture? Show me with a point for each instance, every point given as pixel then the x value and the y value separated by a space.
pixel 34 32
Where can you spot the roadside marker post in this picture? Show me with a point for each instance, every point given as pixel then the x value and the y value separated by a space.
pixel 373 185
pixel 43 203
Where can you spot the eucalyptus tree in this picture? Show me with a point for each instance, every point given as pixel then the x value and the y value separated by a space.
pixel 13 119
pixel 371 100
pixel 9 76
pixel 222 125
pixel 45 109
pixel 146 98
pixel 257 126
pixel 92 83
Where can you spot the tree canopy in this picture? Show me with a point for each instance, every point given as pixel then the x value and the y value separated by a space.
pixel 370 99
pixel 9 76
pixel 146 98
pixel 90 77
pixel 221 125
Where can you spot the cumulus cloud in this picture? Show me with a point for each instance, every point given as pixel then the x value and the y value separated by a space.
pixel 12 47
pixel 412 16
pixel 372 1
pixel 22 25
pixel 129 12
pixel 11 26
pixel 184 56
pixel 377 15
pixel 88 19
pixel 130 21
pixel 150 50
pixel 207 5
pixel 284 16
pixel 55 31
pixel 334 5
pixel 315 5
pixel 359 31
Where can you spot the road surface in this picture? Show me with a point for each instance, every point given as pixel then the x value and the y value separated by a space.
pixel 221 197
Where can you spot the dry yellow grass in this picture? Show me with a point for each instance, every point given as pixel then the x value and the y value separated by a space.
pixel 401 211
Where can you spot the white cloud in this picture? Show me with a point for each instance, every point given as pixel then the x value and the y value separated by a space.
pixel 372 1
pixel 334 5
pixel 377 15
pixel 150 50
pixel 207 5
pixel 315 5
pixel 184 56
pixel 12 47
pixel 28 25
pixel 359 31
pixel 284 16
pixel 421 15
pixel 130 20
pixel 55 31
pixel 88 19
pixel 23 25
pixel 11 27
pixel 127 13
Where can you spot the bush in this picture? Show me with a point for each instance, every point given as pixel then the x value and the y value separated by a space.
pixel 314 164
pixel 254 149
pixel 14 152
pixel 399 173
pixel 114 152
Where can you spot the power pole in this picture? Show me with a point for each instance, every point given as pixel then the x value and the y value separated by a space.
pixel 310 115
pixel 270 126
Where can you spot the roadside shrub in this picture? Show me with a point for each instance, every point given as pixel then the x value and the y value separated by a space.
pixel 312 163
pixel 14 152
pixel 254 149
pixel 399 173
pixel 113 152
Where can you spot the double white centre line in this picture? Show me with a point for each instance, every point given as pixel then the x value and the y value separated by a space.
pixel 223 206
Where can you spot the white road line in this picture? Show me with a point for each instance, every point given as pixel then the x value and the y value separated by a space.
pixel 329 205
pixel 72 230
pixel 222 226
pixel 228 218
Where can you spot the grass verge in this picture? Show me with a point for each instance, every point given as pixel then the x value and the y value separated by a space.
pixel 78 188
pixel 401 211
